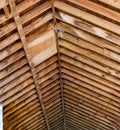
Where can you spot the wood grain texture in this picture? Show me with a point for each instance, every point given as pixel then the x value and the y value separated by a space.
pixel 60 64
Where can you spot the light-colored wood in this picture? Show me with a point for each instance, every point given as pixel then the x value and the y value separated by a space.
pixel 114 3
pixel 60 64
pixel 5 8
pixel 100 32
pixel 88 17
pixel 97 9
pixel 3 3
pixel 46 48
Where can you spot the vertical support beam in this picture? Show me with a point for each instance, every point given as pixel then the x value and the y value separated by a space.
pixel 6 11
pixel 1 116
pixel 53 11
pixel 26 49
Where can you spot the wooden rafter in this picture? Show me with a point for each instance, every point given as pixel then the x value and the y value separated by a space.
pixel 24 42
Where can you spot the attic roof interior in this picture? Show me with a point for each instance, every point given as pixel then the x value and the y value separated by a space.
pixel 60 64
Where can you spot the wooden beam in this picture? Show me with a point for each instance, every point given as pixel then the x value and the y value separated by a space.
pixel 24 42
pixel 61 80
pixel 6 11
pixel 54 13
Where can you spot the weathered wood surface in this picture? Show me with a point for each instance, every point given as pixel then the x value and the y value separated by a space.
pixel 60 64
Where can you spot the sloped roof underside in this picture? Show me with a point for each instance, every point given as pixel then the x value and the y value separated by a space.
pixel 60 64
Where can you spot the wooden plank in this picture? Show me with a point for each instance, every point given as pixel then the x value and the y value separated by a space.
pixel 92 82
pixel 38 123
pixel 7 29
pixel 44 90
pixel 14 75
pixel 52 104
pixel 97 104
pixel 46 48
pixel 46 63
pixel 95 95
pixel 98 9
pixel 17 89
pixel 10 69
pixel 54 96
pixel 14 97
pixel 88 108
pixel 35 12
pixel 108 82
pixel 20 109
pixel 23 115
pixel 20 102
pixel 31 116
pixel 97 92
pixel 84 110
pixel 113 3
pixel 9 40
pixel 92 63
pixel 57 105
pixel 26 5
pixel 105 52
pixel 48 76
pixel 85 115
pixel 10 50
pixel 82 25
pixel 90 38
pixel 15 82
pixel 91 55
pixel 37 23
pixel 11 59
pixel 50 92
pixel 32 125
pixel 48 69
pixel 49 81
pixel 86 122
pixel 88 17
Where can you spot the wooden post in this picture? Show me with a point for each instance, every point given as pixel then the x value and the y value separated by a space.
pixel 6 11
